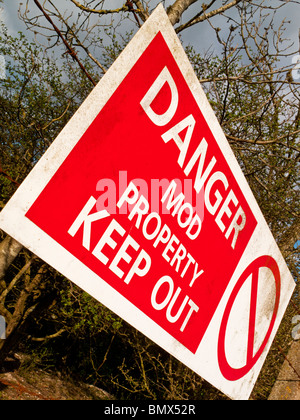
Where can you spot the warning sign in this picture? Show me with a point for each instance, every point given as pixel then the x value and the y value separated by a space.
pixel 141 202
pixel 161 258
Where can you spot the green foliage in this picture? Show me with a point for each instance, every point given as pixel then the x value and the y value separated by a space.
pixel 261 118
pixel 37 98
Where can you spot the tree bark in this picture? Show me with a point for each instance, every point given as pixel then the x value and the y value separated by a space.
pixel 15 332
pixel 176 10
pixel 9 250
pixel 141 11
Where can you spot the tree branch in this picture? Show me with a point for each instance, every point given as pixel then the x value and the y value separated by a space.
pixel 265 142
pixel 70 50
pixel 100 11
pixel 9 249
pixel 140 10
pixel 19 309
pixel 176 10
pixel 48 337
pixel 5 174
pixel 73 33
pixel 206 16
pixel 289 238
pixel 129 4
pixel 17 278
pixel 128 7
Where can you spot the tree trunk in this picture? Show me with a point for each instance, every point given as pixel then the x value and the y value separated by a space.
pixel 175 11
pixel 9 250
pixel 17 332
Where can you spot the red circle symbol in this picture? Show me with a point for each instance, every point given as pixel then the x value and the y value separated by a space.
pixel 230 373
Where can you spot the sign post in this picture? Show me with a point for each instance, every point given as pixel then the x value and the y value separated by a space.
pixel 141 202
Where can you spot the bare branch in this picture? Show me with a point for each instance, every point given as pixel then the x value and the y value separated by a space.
pixel 70 50
pixel 73 34
pixel 266 142
pixel 140 10
pixel 6 175
pixel 129 4
pixel 176 10
pixel 48 337
pixel 289 238
pixel 206 16
pixel 9 250
pixel 100 11
pixel 128 7
pixel 17 278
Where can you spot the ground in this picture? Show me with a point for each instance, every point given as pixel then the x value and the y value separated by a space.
pixel 17 383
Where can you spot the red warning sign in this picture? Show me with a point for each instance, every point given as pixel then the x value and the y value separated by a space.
pixel 171 257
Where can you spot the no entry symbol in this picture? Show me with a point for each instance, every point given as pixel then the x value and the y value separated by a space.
pixel 251 274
